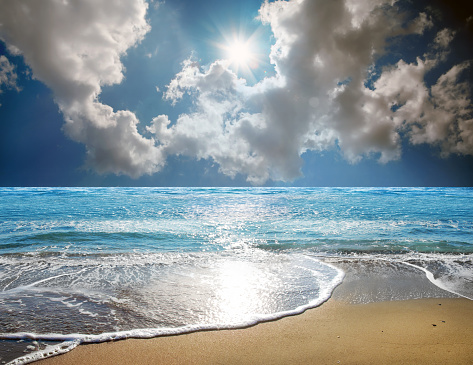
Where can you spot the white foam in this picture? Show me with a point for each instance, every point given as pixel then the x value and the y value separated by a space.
pixel 49 351
pixel 439 283
pixel 70 341
pixel 449 263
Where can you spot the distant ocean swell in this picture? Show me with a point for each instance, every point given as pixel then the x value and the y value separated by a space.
pixel 95 264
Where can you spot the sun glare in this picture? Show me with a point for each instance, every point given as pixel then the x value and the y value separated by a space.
pixel 240 53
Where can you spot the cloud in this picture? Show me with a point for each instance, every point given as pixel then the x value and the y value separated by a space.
pixel 216 128
pixel 74 47
pixel 445 115
pixel 444 37
pixel 8 76
pixel 261 131
pixel 324 56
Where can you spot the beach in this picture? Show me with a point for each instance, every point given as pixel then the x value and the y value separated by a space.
pixel 229 275
pixel 340 331
pixel 423 331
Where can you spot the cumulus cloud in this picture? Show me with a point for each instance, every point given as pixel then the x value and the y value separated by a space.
pixel 8 76
pixel 445 115
pixel 74 47
pixel 318 98
pixel 261 131
pixel 444 37
pixel 324 53
pixel 216 128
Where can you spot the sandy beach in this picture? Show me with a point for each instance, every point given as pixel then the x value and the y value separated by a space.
pixel 423 331
pixel 357 325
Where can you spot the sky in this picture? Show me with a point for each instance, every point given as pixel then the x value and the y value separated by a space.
pixel 236 93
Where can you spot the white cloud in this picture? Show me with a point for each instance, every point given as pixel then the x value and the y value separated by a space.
pixel 439 115
pixel 323 56
pixel 444 37
pixel 446 118
pixel 8 76
pixel 216 128
pixel 422 23
pixel 75 48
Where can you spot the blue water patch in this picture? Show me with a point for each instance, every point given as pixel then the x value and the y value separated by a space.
pixel 195 219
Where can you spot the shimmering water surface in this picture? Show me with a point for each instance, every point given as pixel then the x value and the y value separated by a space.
pixel 91 264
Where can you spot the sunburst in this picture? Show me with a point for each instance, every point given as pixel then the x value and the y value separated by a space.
pixel 240 53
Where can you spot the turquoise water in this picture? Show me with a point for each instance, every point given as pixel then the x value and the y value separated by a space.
pixel 113 220
pixel 91 264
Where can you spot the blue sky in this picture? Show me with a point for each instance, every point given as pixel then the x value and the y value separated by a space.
pixel 236 93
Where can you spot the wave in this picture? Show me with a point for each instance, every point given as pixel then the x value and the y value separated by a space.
pixel 178 293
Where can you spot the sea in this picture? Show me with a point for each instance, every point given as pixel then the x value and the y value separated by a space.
pixel 86 265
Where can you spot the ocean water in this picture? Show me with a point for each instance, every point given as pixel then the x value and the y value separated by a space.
pixel 81 265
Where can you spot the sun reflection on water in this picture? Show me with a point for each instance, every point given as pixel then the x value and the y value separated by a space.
pixel 242 290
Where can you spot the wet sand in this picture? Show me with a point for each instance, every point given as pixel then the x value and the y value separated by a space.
pixel 363 323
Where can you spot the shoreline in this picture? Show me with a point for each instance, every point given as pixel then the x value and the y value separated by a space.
pixel 420 331
pixel 370 319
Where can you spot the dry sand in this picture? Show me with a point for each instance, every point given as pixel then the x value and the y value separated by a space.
pixel 423 331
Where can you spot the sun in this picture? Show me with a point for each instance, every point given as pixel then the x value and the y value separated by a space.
pixel 240 53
